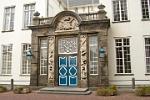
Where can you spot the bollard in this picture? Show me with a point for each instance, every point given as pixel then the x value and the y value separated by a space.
pixel 133 83
pixel 12 84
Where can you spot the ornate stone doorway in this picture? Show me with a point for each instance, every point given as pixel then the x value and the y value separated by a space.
pixel 68 62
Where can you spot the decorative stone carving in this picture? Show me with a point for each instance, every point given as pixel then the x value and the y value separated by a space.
pixel 51 60
pixel 67 23
pixel 83 51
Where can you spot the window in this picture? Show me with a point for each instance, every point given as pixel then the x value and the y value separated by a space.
pixel 6 59
pixel 123 61
pixel 145 9
pixel 93 55
pixel 91 8
pixel 28 14
pixel 68 45
pixel 83 9
pixel 76 10
pixel 147 53
pixel 9 18
pixel 120 10
pixel 43 56
pixel 26 62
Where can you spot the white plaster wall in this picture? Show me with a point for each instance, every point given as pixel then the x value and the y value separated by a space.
pixel 19 36
pixel 54 7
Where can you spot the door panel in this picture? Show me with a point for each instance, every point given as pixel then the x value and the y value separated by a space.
pixel 63 71
pixel 73 70
pixel 68 71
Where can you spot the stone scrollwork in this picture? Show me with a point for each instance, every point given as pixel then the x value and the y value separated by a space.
pixel 67 23
pixel 51 59
pixel 83 51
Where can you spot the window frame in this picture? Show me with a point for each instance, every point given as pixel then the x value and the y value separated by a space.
pixel 29 11
pixel 46 39
pixel 28 70
pixel 145 54
pixel 143 19
pixel 6 62
pixel 10 19
pixel 122 52
pixel 120 14
pixel 95 35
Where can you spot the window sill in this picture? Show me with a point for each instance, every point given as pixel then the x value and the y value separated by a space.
pixel 145 19
pixel 93 74
pixel 25 75
pixel 7 31
pixel 147 74
pixel 121 21
pixel 129 74
pixel 25 29
pixel 5 75
pixel 43 74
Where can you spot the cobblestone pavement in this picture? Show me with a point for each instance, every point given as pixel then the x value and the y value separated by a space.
pixel 36 96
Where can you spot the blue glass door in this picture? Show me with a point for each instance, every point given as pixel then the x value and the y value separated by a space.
pixel 68 71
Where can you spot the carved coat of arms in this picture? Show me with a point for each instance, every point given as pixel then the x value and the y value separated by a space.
pixel 67 23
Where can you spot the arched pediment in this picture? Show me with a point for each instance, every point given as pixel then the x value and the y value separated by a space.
pixel 66 21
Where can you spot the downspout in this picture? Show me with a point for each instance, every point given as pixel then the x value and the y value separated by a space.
pixel 67 4
pixel 47 8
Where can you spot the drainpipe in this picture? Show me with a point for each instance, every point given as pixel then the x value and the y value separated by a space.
pixel 67 4
pixel 47 8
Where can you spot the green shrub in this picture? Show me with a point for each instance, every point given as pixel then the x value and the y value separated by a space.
pixel 18 90
pixel 3 89
pixel 147 90
pixel 140 91
pixel 107 91
pixel 114 88
pixel 101 92
pixel 22 90
pixel 26 90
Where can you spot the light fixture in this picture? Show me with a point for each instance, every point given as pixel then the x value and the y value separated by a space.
pixel 101 52
pixel 29 53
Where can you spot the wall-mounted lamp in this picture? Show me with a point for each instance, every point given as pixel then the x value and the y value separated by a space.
pixel 101 52
pixel 29 53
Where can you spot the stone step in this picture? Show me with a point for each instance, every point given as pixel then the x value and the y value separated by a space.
pixel 61 92
pixel 65 90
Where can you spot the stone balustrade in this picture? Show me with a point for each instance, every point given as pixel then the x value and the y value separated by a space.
pixel 100 15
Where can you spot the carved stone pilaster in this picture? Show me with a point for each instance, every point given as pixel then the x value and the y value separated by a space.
pixel 83 53
pixel 51 63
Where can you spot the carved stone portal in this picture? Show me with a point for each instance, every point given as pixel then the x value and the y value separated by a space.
pixel 51 60
pixel 67 23
pixel 83 53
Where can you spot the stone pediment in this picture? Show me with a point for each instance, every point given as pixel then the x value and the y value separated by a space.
pixel 67 23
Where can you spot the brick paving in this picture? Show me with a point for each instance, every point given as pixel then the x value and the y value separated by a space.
pixel 36 96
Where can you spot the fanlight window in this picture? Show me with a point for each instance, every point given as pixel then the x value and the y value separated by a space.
pixel 67 46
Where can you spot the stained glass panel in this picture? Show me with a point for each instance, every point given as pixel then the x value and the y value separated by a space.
pixel 67 46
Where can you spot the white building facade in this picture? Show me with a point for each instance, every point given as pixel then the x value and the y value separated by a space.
pixel 15 37
pixel 128 38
